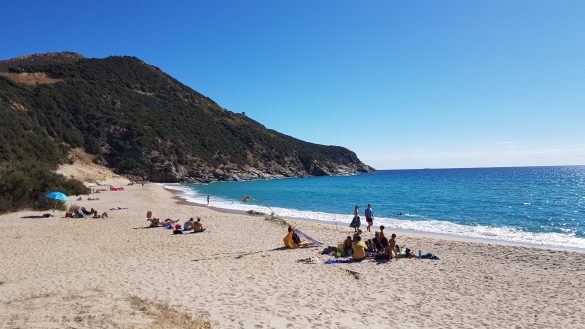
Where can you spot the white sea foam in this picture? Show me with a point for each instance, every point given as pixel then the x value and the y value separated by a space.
pixel 482 232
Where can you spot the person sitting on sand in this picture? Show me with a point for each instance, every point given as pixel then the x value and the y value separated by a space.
pixel 381 231
pixel 383 243
pixel 376 241
pixel 391 248
pixel 197 226
pixel 154 222
pixel 188 226
pixel 359 248
pixel 292 241
pixel 370 244
pixel 347 246
pixel 356 234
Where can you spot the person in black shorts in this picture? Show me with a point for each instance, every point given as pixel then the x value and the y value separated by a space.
pixel 369 216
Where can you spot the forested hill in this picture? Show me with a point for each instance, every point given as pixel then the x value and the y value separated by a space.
pixel 143 123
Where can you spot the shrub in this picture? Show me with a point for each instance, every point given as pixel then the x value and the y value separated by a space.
pixel 25 185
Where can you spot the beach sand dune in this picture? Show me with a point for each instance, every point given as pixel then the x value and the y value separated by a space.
pixel 113 273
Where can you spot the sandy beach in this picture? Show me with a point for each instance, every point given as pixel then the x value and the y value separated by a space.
pixel 112 273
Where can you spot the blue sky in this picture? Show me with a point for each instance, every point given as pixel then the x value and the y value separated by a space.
pixel 405 84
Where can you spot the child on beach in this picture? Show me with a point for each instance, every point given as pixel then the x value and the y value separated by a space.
pixel 391 249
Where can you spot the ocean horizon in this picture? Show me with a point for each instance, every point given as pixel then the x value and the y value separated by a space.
pixel 540 206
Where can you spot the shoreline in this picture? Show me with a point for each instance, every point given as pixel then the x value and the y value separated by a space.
pixel 181 199
pixel 86 273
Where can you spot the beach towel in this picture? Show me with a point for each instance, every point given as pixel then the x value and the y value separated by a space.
pixel 339 261
pixel 429 256
pixel 313 240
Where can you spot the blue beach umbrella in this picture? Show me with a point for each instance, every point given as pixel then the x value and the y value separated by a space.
pixel 57 196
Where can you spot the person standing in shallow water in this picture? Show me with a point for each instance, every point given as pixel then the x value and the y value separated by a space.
pixel 208 199
pixel 369 213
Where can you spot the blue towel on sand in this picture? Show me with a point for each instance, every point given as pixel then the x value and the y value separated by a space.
pixel 339 261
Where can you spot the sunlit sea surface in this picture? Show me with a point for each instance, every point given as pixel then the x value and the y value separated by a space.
pixel 542 206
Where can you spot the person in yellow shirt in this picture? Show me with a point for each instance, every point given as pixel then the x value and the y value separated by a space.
pixel 359 248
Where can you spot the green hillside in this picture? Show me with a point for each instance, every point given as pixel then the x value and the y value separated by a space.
pixel 144 124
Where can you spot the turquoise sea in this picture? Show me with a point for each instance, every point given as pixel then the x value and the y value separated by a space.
pixel 541 206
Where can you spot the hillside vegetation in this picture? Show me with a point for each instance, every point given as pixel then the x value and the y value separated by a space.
pixel 143 123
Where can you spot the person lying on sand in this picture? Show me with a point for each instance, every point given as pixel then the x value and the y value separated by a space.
pixel 177 229
pixel 103 215
pixel 169 223
pixel 197 226
pixel 87 213
pixel 188 226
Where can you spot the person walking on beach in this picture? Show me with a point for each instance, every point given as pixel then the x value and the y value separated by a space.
pixel 355 222
pixel 208 199
pixel 369 213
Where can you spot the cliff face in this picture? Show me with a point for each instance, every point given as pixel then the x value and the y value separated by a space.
pixel 144 124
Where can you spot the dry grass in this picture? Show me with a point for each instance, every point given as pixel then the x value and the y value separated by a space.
pixel 273 218
pixel 356 275
pixel 255 213
pixel 144 93
pixel 36 78
pixel 17 107
pixel 165 316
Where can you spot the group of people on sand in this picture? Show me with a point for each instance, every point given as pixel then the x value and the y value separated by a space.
pixel 379 247
pixel 190 226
